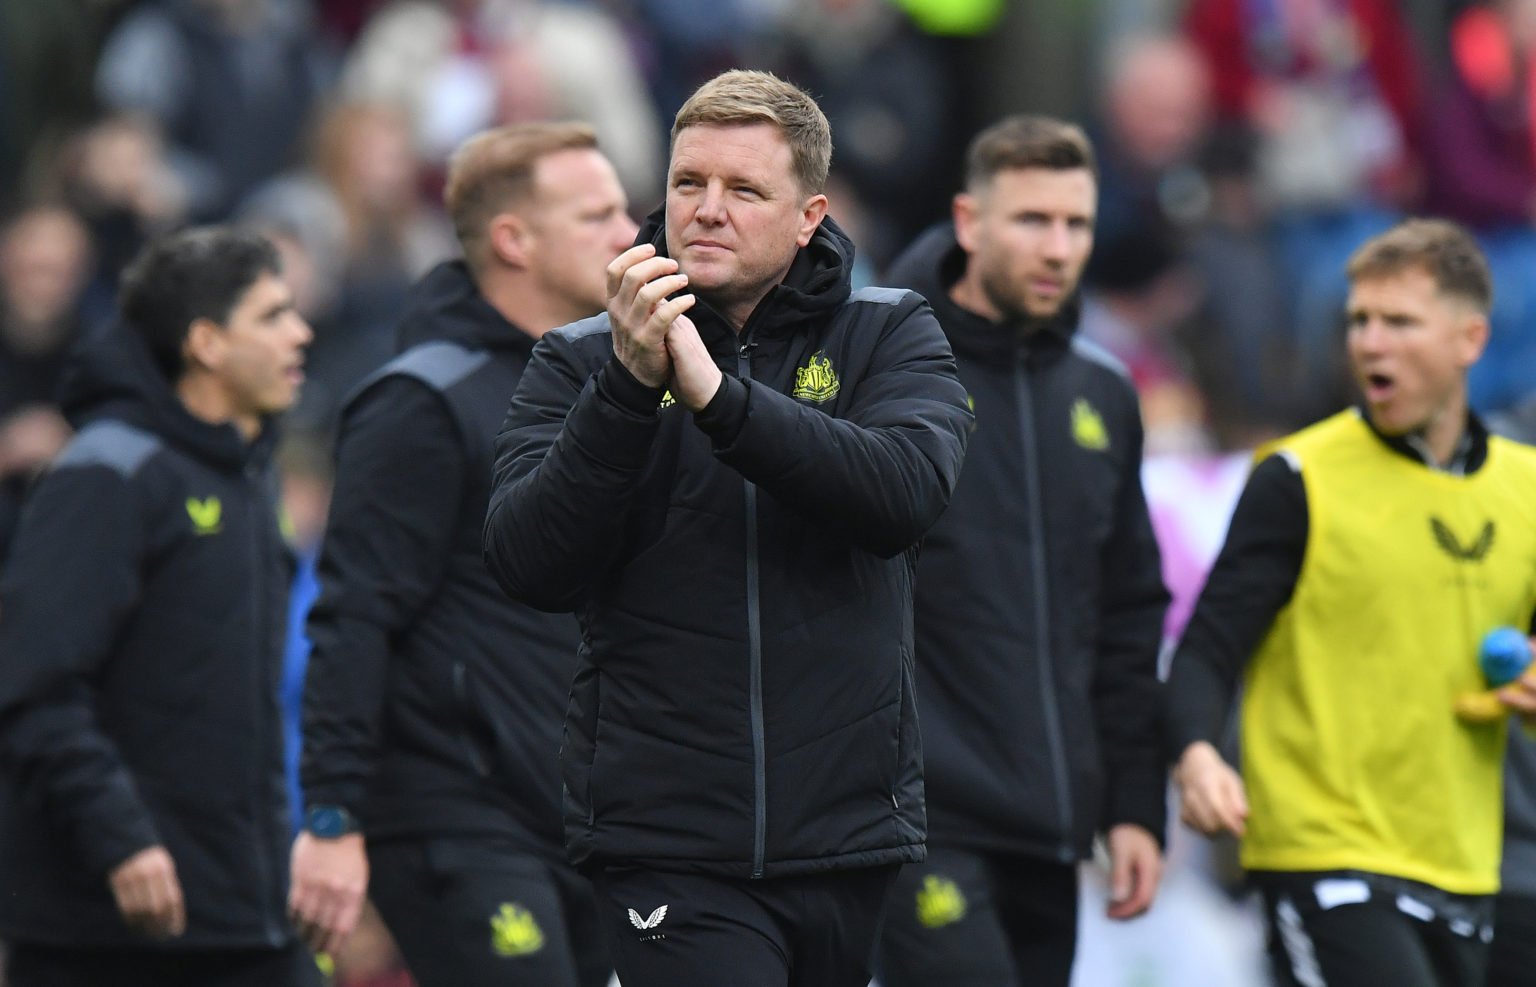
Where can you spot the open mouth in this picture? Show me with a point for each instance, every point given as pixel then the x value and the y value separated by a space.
pixel 1377 387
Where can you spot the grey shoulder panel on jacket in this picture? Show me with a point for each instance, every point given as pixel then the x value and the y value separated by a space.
pixel 1093 352
pixel 113 444
pixel 439 365
pixel 586 327
pixel 880 296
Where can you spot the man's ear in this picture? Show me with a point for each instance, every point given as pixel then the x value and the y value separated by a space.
pixel 964 210
pixel 204 346
pixel 811 215
pixel 1474 337
pixel 508 239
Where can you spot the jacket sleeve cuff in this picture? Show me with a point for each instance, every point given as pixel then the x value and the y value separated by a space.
pixel 726 413
pixel 619 387
pixel 1144 805
pixel 111 839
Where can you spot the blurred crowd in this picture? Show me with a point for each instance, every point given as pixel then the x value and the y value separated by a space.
pixel 1247 147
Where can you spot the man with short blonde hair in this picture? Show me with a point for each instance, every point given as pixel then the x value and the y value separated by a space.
pixel 432 706
pixel 745 97
pixel 726 476
pixel 1366 560
pixel 494 171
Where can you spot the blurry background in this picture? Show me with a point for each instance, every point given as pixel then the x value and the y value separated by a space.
pixel 1247 146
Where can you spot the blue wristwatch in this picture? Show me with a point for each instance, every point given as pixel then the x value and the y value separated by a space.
pixel 330 822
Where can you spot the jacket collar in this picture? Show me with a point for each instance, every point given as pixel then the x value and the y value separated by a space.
pixel 446 305
pixel 113 376
pixel 935 262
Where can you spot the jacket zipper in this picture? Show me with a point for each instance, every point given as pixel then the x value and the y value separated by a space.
pixel 1038 572
pixel 267 690
pixel 755 655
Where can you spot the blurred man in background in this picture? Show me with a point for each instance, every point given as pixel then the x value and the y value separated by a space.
pixel 143 812
pixel 1366 559
pixel 433 703
pixel 1039 596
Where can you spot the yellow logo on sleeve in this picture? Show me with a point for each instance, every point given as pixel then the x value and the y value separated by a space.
pixel 207 515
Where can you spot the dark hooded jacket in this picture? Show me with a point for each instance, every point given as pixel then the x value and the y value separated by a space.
pixel 1040 598
pixel 142 624
pixel 433 703
pixel 743 701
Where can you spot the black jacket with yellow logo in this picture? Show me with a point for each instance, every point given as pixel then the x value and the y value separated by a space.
pixel 1039 597
pixel 433 703
pixel 142 620
pixel 743 701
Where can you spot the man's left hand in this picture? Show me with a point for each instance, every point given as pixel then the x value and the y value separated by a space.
pixel 1520 696
pixel 1135 868
pixel 695 378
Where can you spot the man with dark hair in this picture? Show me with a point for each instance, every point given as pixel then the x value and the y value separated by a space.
pixel 433 703
pixel 1366 560
pixel 726 476
pixel 1039 596
pixel 143 811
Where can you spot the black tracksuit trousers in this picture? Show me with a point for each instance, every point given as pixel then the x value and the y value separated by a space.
pixel 696 930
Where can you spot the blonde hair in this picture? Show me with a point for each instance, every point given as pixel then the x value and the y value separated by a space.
pixel 1442 249
pixel 742 97
pixel 493 171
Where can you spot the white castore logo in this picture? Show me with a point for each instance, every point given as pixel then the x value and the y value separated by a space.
pixel 654 920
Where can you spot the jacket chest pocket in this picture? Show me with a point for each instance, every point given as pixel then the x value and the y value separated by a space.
pixel 1092 500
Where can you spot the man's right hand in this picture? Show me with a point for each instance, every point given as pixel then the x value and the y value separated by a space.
pixel 148 893
pixel 1211 795
pixel 640 314
pixel 329 879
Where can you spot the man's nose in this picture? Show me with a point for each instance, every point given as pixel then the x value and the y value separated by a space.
pixel 623 232
pixel 712 203
pixel 1058 241
pixel 305 334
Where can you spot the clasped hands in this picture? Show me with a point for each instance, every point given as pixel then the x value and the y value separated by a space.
pixel 652 337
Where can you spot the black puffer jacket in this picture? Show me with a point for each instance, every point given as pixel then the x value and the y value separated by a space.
pixel 433 703
pixel 1040 597
pixel 142 620
pixel 743 703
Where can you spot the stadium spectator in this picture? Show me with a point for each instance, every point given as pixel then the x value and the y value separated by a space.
pixel 433 703
pixel 1039 601
pixel 143 817
pixel 229 85
pixel 45 261
pixel 1157 117
pixel 728 486
pixel 459 67
pixel 356 212
pixel 1331 87
pixel 1483 172
pixel 1368 556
